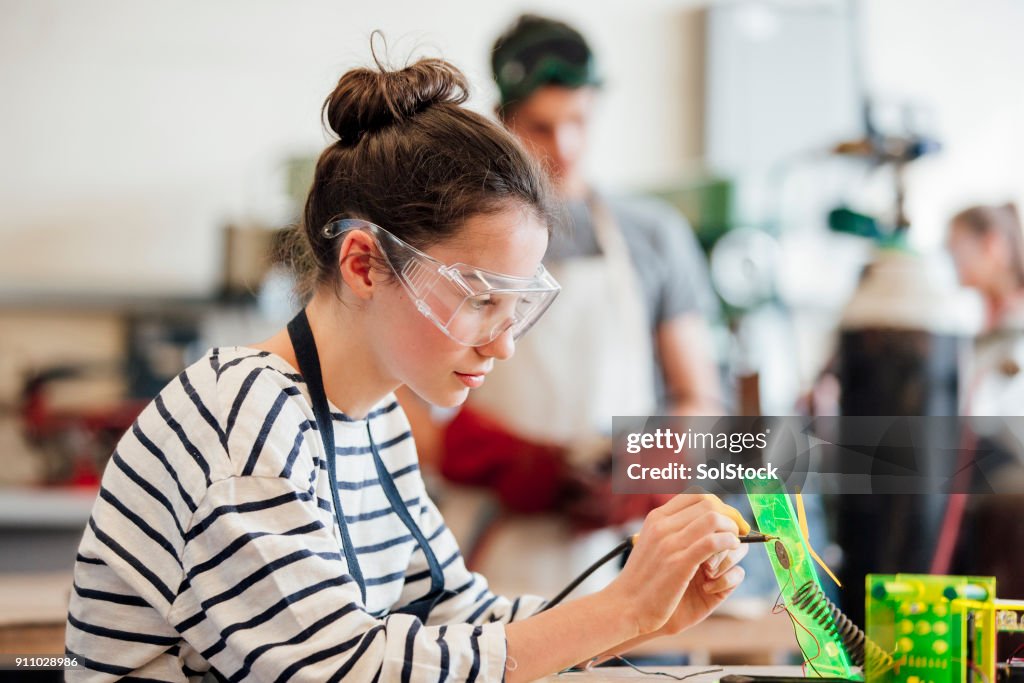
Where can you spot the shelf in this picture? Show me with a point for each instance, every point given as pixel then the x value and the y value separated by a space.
pixel 45 508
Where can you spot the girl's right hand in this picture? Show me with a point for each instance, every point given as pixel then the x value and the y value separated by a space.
pixel 675 540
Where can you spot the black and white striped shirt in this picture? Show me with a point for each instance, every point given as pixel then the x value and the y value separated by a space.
pixel 213 543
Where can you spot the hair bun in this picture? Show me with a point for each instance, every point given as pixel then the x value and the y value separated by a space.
pixel 367 100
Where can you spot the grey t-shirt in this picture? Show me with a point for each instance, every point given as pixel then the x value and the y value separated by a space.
pixel 670 267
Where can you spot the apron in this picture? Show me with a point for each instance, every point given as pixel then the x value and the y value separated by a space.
pixel 309 365
pixel 589 359
pixel 997 384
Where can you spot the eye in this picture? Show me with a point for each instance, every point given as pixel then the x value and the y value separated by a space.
pixel 479 303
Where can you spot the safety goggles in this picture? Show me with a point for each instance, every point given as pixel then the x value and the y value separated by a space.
pixel 471 305
pixel 543 60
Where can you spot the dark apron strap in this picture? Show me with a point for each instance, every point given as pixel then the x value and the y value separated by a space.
pixel 391 491
pixel 309 365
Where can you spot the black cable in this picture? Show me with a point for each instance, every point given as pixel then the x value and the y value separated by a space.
pixel 620 548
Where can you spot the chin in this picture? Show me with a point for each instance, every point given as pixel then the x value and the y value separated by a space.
pixel 452 398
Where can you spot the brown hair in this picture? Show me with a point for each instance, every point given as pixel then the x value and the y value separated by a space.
pixel 411 159
pixel 1004 220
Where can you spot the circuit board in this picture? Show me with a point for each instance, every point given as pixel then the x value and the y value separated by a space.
pixel 824 653
pixel 941 629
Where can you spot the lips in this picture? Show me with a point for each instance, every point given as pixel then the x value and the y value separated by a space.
pixel 471 380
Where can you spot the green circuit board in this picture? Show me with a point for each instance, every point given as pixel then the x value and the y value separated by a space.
pixel 927 621
pixel 823 649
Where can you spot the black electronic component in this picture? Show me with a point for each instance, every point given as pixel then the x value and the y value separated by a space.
pixel 972 635
pixel 758 678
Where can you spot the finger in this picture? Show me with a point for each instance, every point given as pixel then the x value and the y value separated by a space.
pixel 726 582
pixel 702 540
pixel 686 528
pixel 705 521
pixel 725 509
pixel 670 519
pixel 685 500
pixel 700 550
pixel 728 560
pixel 685 561
pixel 711 566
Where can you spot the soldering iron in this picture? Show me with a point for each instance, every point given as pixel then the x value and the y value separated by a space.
pixel 757 537
pixel 749 537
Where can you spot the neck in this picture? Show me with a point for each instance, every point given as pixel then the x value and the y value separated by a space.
pixel 351 376
pixel 1003 304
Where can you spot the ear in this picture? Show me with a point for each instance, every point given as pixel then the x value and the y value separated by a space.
pixel 355 264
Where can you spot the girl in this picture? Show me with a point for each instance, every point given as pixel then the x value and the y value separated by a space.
pixel 987 246
pixel 265 518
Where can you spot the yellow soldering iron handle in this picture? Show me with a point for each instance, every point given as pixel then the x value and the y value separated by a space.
pixel 732 513
pixel 727 510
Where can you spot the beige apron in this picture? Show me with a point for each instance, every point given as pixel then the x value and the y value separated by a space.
pixel 588 359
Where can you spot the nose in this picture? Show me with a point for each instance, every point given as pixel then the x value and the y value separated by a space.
pixel 501 347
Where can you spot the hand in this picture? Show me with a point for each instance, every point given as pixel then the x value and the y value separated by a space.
pixel 660 578
pixel 714 582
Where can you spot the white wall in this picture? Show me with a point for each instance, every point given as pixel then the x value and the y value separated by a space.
pixel 964 58
pixel 133 131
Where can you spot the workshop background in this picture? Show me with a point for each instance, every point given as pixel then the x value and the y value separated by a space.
pixel 149 153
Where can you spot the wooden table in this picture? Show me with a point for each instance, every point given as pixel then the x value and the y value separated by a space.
pixel 766 639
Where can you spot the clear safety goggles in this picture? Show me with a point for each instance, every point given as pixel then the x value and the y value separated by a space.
pixel 471 305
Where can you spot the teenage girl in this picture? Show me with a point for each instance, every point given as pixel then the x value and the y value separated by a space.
pixel 265 518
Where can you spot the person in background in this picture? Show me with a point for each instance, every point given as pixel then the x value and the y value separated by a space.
pixel 628 336
pixel 987 246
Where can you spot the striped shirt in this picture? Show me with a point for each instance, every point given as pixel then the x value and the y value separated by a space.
pixel 213 543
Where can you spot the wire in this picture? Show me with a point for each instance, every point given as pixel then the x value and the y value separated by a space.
pixel 779 607
pixel 590 667
pixel 974 667
pixel 674 677
pixel 612 554
pixel 808 661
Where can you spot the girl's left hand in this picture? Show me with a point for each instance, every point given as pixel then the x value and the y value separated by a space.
pixel 714 582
